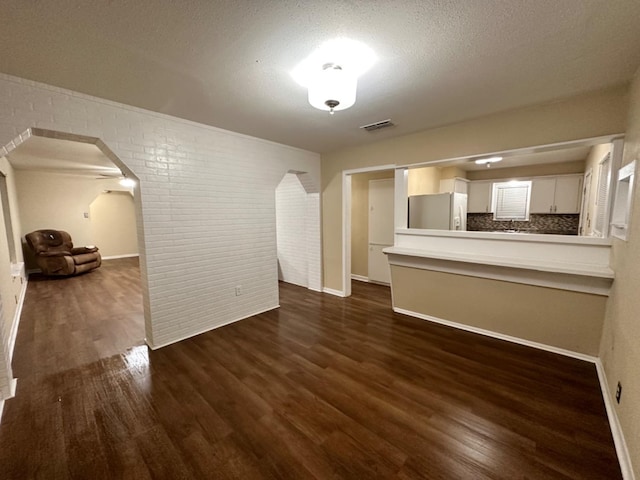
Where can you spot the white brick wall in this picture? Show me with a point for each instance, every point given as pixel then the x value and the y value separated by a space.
pixel 291 212
pixel 314 247
pixel 298 231
pixel 205 209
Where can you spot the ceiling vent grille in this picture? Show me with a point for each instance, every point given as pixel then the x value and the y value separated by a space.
pixel 378 125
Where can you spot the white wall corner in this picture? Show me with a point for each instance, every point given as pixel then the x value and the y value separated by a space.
pixel 500 336
pixel 331 291
pixel 16 318
pixel 359 278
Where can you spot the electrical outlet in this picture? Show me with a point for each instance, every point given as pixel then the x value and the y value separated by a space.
pixel 238 290
pixel 618 392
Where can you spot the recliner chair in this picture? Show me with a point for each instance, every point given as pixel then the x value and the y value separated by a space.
pixel 56 255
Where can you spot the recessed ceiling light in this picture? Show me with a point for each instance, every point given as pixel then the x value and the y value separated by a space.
pixel 484 161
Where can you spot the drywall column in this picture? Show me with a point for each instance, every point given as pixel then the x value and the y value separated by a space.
pixel 298 231
pixel 291 211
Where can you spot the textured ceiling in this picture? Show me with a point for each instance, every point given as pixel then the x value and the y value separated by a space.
pixel 228 63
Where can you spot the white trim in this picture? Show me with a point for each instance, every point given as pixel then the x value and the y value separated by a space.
pixel 359 278
pixel 16 318
pixel 346 234
pixel 563 277
pixel 208 329
pixel 526 150
pixel 377 168
pixel 500 336
pixel 623 201
pixel 331 291
pixel 12 389
pixel 518 237
pixel 126 255
pixel 346 221
pixel 624 459
pixel 616 431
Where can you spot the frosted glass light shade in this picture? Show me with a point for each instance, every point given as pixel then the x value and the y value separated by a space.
pixel 332 85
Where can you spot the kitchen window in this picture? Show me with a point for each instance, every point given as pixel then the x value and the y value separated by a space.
pixel 511 200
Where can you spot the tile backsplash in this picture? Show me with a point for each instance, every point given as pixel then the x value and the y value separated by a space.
pixel 538 223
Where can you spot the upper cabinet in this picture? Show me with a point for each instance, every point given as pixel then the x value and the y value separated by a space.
pixel 556 194
pixel 456 185
pixel 479 200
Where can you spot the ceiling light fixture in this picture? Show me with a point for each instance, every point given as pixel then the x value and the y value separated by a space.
pixel 488 161
pixel 333 89
pixel 331 73
pixel 128 182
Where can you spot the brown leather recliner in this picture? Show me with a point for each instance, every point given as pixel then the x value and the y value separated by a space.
pixel 56 255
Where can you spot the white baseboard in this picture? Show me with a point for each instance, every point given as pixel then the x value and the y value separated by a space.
pixel 205 330
pixel 128 255
pixel 331 291
pixel 501 336
pixel 616 431
pixel 618 437
pixel 360 278
pixel 16 318
pixel 12 386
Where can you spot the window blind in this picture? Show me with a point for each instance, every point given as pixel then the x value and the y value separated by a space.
pixel 512 200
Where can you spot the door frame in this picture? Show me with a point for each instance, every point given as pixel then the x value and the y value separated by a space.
pixel 346 222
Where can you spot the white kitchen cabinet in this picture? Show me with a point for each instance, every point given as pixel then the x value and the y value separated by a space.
pixel 556 194
pixel 454 185
pixel 542 195
pixel 479 197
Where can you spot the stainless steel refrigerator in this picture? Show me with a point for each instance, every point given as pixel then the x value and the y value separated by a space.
pixel 438 211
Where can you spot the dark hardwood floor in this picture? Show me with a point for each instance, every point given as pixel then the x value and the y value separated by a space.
pixel 321 388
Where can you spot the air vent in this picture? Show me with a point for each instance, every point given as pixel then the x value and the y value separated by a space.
pixel 378 125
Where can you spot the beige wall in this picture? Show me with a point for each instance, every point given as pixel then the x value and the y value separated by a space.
pixel 360 219
pixel 564 319
pixel 452 172
pixel 112 220
pixel 58 201
pixel 528 171
pixel 599 113
pixel 421 181
pixel 620 347
pixel 596 154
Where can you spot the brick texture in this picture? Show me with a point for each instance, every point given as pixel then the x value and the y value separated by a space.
pixel 205 205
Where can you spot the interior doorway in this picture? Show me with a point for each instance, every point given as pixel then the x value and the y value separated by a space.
pixel 380 229
pixel 52 179
pixel 372 200
pixel 351 229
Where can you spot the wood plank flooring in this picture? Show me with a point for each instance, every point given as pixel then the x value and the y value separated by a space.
pixel 321 388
